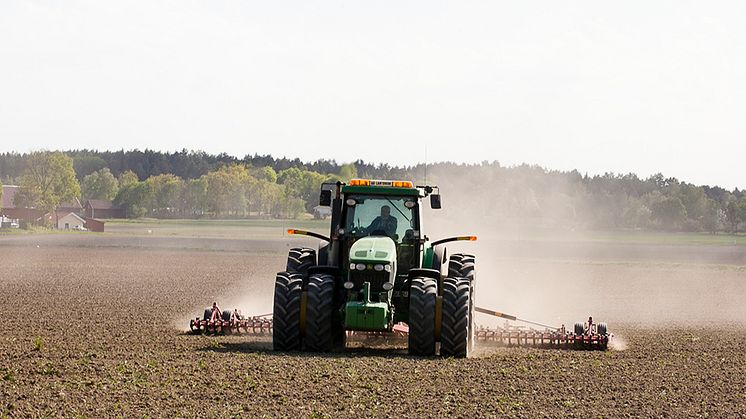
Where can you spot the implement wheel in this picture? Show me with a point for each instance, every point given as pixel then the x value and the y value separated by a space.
pixel 300 259
pixel 286 314
pixel 455 329
pixel 319 336
pixel 422 295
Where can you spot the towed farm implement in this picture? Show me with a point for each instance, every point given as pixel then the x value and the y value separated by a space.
pixel 378 274
pixel 595 338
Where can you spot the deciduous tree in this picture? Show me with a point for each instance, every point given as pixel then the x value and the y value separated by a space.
pixel 49 179
pixel 100 184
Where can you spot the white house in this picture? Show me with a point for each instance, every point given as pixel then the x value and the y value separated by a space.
pixel 71 221
pixel 320 213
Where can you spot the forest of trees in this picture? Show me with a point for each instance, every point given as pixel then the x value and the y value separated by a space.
pixel 197 184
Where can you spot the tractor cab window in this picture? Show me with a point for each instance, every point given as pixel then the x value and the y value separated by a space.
pixel 381 216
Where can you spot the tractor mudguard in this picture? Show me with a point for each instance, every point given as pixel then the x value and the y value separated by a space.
pixel 323 253
pixel 324 269
pixel 434 257
pixel 423 272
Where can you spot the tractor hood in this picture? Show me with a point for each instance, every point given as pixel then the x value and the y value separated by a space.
pixel 374 250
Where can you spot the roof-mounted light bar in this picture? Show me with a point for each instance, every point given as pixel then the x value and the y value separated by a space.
pixel 375 182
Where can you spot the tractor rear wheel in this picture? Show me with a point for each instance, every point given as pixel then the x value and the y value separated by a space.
pixel 422 296
pixel 300 259
pixel 579 329
pixel 455 329
pixel 602 329
pixel 286 314
pixel 208 314
pixel 319 336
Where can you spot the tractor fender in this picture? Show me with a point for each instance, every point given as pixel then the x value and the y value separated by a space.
pixel 423 272
pixel 440 256
pixel 434 257
pixel 324 269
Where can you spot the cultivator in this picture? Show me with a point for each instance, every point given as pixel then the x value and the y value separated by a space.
pixel 584 336
pixel 228 322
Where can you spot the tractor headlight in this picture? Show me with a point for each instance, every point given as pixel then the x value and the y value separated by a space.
pixel 387 268
pixel 360 266
pixel 378 268
pixel 348 285
pixel 387 286
pixel 352 266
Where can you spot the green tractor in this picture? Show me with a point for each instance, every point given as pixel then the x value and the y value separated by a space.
pixel 376 270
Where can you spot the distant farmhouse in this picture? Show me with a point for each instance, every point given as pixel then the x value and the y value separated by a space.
pixel 98 208
pixel 65 220
pixel 69 215
pixel 9 209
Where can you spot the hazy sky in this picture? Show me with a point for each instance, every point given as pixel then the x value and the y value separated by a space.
pixel 599 86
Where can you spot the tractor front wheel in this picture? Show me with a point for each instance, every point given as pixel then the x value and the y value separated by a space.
pixel 464 266
pixel 422 297
pixel 319 336
pixel 455 331
pixel 286 314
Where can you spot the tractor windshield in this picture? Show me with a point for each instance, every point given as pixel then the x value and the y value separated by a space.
pixel 380 215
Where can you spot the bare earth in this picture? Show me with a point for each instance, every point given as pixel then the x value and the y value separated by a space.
pixel 94 326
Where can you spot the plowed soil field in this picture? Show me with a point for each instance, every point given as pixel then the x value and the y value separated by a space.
pixel 95 326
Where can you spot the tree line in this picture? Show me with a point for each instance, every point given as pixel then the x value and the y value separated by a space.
pixel 198 184
pixel 232 189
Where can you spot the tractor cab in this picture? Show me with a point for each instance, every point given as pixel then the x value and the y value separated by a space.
pixel 380 224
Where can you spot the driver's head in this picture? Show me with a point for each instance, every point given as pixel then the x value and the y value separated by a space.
pixel 385 211
pixel 214 304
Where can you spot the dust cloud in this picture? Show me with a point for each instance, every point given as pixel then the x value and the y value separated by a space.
pixel 559 275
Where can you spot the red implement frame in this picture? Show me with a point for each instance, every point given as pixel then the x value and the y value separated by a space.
pixel 507 336
pixel 255 325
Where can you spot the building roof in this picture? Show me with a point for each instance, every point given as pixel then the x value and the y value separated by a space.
pixel 75 203
pixel 9 191
pixel 74 215
pixel 101 204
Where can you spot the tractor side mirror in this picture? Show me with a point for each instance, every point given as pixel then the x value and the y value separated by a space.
pixel 435 201
pixel 325 200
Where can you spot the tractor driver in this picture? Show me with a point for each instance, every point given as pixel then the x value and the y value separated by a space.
pixel 216 313
pixel 384 223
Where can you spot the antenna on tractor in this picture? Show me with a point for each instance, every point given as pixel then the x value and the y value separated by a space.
pixel 425 164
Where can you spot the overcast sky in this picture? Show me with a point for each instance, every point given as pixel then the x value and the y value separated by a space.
pixel 643 86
